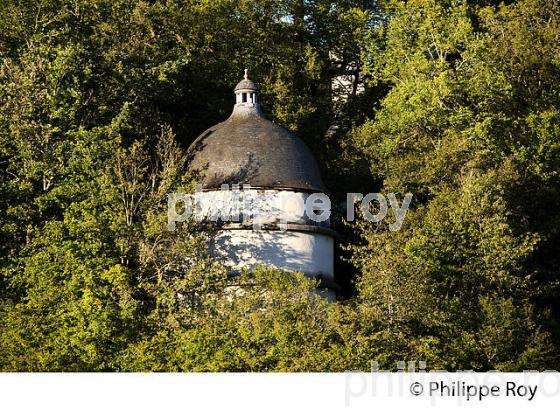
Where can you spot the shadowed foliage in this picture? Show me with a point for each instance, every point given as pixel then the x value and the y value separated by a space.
pixel 455 102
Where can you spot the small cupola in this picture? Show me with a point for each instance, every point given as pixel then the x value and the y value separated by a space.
pixel 247 93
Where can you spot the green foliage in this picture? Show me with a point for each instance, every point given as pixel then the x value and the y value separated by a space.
pixel 456 102
pixel 463 129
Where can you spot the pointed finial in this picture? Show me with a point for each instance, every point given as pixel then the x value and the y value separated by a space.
pixel 246 76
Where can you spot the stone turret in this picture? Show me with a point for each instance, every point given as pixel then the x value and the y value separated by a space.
pixel 249 150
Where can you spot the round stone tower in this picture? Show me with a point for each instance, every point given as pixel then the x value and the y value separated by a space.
pixel 248 159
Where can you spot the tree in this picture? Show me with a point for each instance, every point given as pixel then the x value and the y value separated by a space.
pixel 464 128
pixel 457 104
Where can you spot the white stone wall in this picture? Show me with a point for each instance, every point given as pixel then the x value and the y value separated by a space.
pixel 310 253
pixel 272 206
pixel 297 248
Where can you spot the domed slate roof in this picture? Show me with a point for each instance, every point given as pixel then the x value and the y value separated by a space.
pixel 249 149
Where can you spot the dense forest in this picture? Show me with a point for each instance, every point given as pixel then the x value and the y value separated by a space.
pixel 456 102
